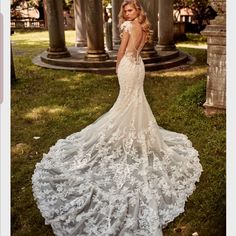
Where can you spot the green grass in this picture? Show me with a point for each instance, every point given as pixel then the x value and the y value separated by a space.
pixel 52 104
pixel 193 39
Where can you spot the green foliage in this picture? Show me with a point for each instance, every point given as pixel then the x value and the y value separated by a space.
pixel 193 39
pixel 106 2
pixel 67 4
pixel 29 3
pixel 193 4
pixel 201 9
pixel 24 4
pixel 196 38
pixel 52 104
pixel 193 96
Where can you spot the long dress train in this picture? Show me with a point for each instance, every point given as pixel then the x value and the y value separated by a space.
pixel 122 175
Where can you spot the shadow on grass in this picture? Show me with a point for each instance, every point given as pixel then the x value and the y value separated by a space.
pixel 200 54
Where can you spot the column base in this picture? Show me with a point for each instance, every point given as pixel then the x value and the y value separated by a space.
pixel 81 43
pixel 148 51
pixel 116 41
pixel 147 54
pixel 116 47
pixel 96 57
pixel 212 110
pixel 169 47
pixel 58 53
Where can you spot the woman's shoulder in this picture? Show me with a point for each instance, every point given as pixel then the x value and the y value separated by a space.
pixel 126 26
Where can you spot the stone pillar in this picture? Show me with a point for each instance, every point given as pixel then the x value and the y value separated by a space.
pixel 80 25
pixel 108 32
pixel 155 24
pixel 150 8
pixel 95 34
pixel 216 59
pixel 116 4
pixel 57 47
pixel 165 26
pixel 45 14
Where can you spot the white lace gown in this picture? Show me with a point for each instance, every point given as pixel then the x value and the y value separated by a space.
pixel 123 174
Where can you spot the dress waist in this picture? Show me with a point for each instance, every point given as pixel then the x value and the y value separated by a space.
pixel 134 57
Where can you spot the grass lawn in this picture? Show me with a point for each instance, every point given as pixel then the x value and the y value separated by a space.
pixel 51 104
pixel 193 40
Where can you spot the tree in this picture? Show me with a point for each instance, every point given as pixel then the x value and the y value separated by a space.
pixel 36 3
pixel 67 4
pixel 29 3
pixel 105 2
pixel 201 9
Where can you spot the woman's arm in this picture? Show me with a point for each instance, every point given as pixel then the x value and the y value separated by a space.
pixel 123 45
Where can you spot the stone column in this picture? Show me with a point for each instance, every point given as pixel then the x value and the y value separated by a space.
pixel 57 47
pixel 95 34
pixel 155 25
pixel 116 4
pixel 165 26
pixel 150 8
pixel 45 14
pixel 216 59
pixel 80 25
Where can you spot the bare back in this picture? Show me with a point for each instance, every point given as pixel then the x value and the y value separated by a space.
pixel 132 42
pixel 137 40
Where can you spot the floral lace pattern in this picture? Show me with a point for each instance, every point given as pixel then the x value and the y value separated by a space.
pixel 126 26
pixel 122 175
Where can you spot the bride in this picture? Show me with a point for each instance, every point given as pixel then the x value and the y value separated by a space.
pixel 123 174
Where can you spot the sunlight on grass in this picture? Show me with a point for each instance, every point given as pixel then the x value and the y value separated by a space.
pixel 33 38
pixel 64 79
pixel 201 45
pixel 70 36
pixel 42 111
pixel 91 110
pixel 192 40
pixel 190 73
pixel 20 149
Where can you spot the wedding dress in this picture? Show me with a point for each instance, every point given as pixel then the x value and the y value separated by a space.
pixel 123 174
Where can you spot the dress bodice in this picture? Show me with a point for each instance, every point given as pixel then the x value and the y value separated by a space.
pixel 135 43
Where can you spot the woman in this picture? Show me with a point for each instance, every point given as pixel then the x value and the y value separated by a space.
pixel 123 174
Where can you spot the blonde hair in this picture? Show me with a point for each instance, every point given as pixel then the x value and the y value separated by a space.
pixel 142 18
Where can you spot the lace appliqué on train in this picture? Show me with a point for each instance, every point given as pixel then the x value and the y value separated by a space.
pixel 120 184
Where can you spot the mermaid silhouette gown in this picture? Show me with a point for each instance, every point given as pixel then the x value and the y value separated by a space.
pixel 123 174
